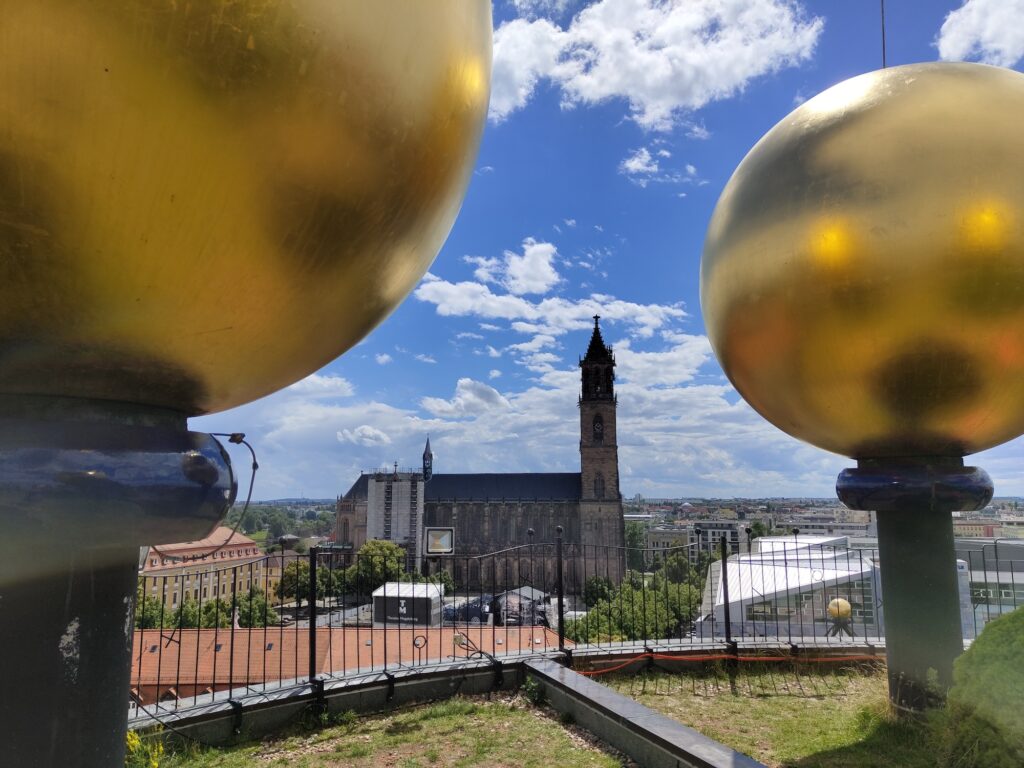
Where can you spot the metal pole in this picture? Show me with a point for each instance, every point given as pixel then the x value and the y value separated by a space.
pixel 561 606
pixel 724 549
pixel 109 478
pixel 313 552
pixel 914 499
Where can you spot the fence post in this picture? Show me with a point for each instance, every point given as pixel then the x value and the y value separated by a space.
pixel 313 552
pixel 560 586
pixel 724 550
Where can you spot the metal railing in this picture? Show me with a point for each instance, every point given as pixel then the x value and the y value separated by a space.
pixel 208 632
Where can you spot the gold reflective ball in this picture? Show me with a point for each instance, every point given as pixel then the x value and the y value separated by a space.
pixel 862 280
pixel 202 202
pixel 839 608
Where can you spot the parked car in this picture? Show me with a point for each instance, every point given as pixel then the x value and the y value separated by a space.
pixel 476 610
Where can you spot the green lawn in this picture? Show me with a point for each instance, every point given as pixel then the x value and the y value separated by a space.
pixel 502 731
pixel 803 718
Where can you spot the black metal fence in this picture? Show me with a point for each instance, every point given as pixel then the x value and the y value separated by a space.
pixel 208 631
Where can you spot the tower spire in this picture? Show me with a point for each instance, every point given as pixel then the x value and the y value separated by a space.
pixel 428 462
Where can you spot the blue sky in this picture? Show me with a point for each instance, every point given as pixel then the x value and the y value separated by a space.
pixel 614 126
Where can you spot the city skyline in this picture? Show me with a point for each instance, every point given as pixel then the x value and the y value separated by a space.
pixel 613 129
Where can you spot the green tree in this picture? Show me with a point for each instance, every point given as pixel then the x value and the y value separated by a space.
pixel 215 613
pixel 376 563
pixel 149 611
pixel 677 568
pixel 294 582
pixel 596 589
pixel 636 542
pixel 758 529
pixel 186 615
pixel 255 611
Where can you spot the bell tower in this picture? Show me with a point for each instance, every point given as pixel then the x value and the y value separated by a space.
pixel 600 500
pixel 599 452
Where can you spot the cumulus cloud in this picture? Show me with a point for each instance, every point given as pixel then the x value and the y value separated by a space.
pixel 365 435
pixel 426 359
pixel 553 315
pixel 664 58
pixel 321 386
pixel 494 373
pixel 989 31
pixel 383 358
pixel 531 271
pixel 472 398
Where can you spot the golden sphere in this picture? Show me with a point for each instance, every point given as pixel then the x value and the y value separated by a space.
pixel 202 202
pixel 862 280
pixel 839 608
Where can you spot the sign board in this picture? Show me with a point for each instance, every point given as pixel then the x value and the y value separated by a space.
pixel 439 541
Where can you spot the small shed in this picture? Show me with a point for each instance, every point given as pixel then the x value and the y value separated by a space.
pixel 402 602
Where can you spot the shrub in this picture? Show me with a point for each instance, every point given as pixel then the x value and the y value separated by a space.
pixel 985 703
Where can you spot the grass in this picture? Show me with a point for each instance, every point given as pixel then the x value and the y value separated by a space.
pixel 793 717
pixel 501 731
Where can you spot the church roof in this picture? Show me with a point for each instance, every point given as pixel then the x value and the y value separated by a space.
pixel 359 488
pixel 597 351
pixel 546 486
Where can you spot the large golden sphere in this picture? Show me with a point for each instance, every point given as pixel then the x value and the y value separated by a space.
pixel 201 202
pixel 839 608
pixel 862 281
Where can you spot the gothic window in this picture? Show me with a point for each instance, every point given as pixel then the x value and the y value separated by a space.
pixel 598 428
pixel 599 486
pixel 344 532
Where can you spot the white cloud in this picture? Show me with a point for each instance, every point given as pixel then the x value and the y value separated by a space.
pixel 383 358
pixel 599 228
pixel 570 222
pixel 554 315
pixel 534 8
pixel 489 327
pixel 321 386
pixel 364 435
pixel 665 59
pixel 472 398
pixel 532 271
pixel 468 335
pixel 642 168
pixel 990 31
pixel 698 131
pixel 494 373
pixel 639 163
pixel 426 359
pixel 524 52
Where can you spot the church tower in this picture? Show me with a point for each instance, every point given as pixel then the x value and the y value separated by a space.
pixel 600 500
pixel 599 451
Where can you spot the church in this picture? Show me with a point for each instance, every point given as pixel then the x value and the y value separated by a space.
pixel 492 511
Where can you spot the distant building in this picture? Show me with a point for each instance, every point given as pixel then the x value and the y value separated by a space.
pixel 494 511
pixel 204 569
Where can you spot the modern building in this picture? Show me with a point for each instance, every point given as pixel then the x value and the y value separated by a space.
pixel 784 586
pixel 217 566
pixel 494 511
